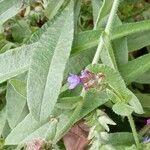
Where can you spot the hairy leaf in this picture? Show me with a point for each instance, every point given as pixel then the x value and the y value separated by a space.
pixel 48 64
pixel 15 62
pixel 2 119
pixel 16 107
pixel 131 72
pixel 8 9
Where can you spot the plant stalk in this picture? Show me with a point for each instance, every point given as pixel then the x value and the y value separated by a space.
pixel 107 30
pixel 132 125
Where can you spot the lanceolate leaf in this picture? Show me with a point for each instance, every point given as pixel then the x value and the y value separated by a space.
pixel 138 40
pixel 25 130
pixel 2 119
pixel 52 8
pixel 48 65
pixel 15 61
pixel 135 68
pixel 8 9
pixel 16 107
pixel 96 4
pixel 90 38
pixel 19 86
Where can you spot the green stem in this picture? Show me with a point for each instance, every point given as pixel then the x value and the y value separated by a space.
pixel 107 30
pixel 132 125
pixel 112 16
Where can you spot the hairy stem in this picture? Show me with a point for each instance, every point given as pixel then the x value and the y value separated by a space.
pixel 132 125
pixel 107 30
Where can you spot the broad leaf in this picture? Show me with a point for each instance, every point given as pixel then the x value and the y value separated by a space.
pixel 48 64
pixel 122 109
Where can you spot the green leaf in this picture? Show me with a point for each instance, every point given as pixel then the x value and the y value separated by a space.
pixel 77 9
pixel 30 129
pixel 26 131
pixel 19 86
pixel 2 119
pixel 96 4
pixel 15 62
pixel 135 103
pixel 52 8
pixel 79 61
pixel 112 78
pixel 91 101
pixel 130 71
pixel 68 103
pixel 107 53
pixel 20 31
pixel 6 130
pixel 16 107
pixel 103 13
pixel 138 40
pixel 90 38
pixel 47 67
pixel 120 46
pixel 8 9
pixel 144 78
pixel 37 35
pixel 144 100
pixel 121 138
pixel 122 109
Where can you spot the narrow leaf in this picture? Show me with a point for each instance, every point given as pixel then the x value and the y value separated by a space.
pixel 8 9
pixel 16 107
pixel 2 119
pixel 131 72
pixel 15 62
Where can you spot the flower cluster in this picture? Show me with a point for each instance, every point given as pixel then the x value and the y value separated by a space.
pixel 87 78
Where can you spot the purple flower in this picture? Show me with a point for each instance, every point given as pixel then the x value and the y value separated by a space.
pixel 73 81
pixel 148 122
pixel 84 73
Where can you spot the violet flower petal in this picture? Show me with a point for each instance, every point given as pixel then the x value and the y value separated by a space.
pixel 73 81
